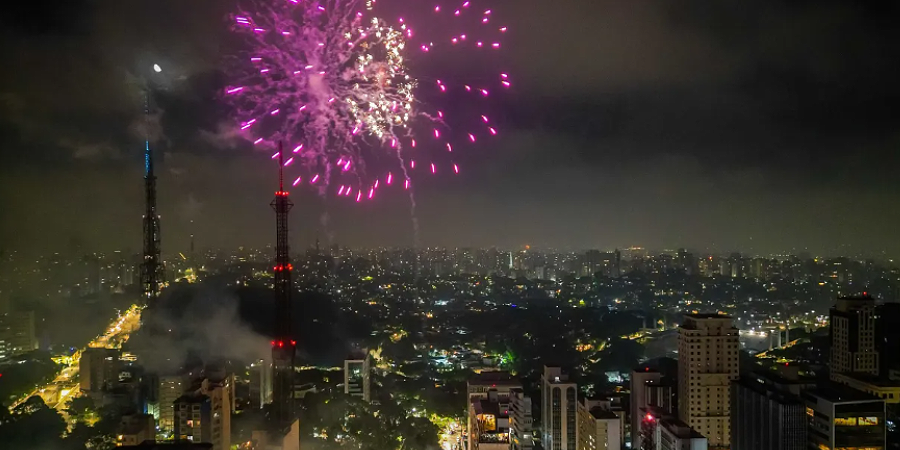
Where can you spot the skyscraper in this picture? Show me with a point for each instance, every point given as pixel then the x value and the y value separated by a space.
pixel 559 411
pixel 639 379
pixel 171 387
pixel 853 336
pixel 763 416
pixel 17 332
pixel 708 354
pixel 887 337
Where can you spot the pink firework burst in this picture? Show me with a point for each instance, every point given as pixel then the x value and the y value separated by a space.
pixel 334 81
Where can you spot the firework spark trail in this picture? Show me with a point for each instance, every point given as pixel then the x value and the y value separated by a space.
pixel 307 73
pixel 331 78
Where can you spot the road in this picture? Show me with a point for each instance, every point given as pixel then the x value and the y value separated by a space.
pixel 451 437
pixel 65 386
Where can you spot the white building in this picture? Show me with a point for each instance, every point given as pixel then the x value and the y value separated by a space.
pixel 598 427
pixel 559 398
pixel 521 428
pixel 708 353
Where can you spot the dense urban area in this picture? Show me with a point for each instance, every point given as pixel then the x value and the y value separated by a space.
pixel 462 349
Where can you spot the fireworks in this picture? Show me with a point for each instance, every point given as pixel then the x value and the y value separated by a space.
pixel 332 80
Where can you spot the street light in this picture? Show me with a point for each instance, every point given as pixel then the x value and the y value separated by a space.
pixel 156 68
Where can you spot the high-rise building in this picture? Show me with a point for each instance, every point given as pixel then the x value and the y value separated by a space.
pixel 260 383
pixel 639 380
pixel 193 418
pixel 887 337
pixel 521 427
pixel 221 395
pixel 765 417
pixel 357 378
pixel 17 332
pixel 171 387
pixel 853 336
pixel 650 388
pixel 559 399
pixel 839 417
pixel 598 427
pixel 98 368
pixel 708 354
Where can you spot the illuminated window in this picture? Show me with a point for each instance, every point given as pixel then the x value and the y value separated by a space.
pixel 868 421
pixel 845 421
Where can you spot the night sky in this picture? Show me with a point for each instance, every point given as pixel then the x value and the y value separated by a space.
pixel 728 125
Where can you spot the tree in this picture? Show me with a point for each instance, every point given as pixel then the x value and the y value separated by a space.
pixel 33 425
pixel 82 410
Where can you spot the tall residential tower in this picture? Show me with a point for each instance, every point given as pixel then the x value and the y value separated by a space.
pixel 708 354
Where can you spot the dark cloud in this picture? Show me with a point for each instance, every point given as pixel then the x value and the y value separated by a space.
pixel 717 125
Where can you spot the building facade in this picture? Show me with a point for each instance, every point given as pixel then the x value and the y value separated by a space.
pixel 598 428
pixel 853 336
pixel 17 333
pixel 193 418
pixel 639 379
pixel 559 400
pixel 135 429
pixel 662 431
pixel 839 417
pixel 489 397
pixel 521 426
pixel 171 387
pixel 260 383
pixel 357 374
pixel 98 368
pixel 764 417
pixel 708 354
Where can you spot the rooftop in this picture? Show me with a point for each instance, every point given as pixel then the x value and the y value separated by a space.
pixel 868 378
pixel 485 406
pixel 708 316
pixel 679 429
pixel 494 379
pixel 837 393
pixel 602 414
